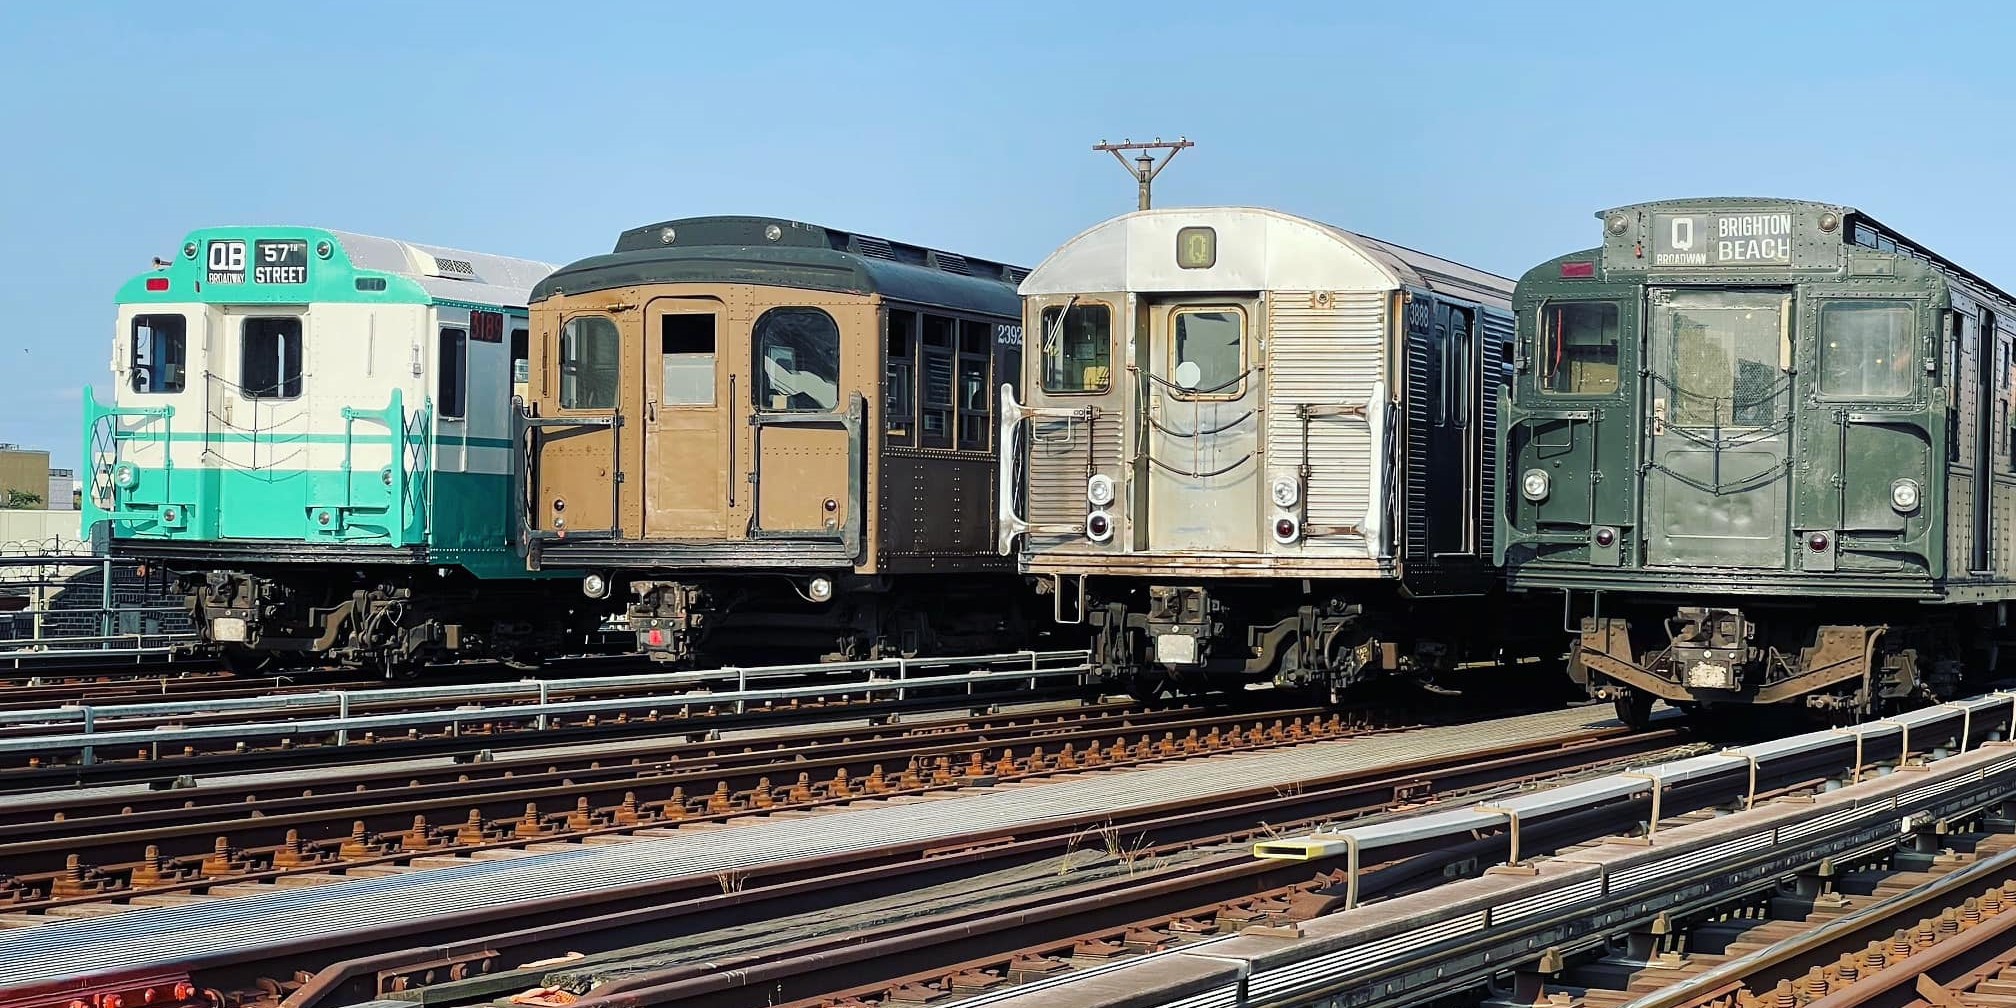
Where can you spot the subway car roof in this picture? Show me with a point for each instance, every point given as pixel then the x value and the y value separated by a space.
pixel 1253 249
pixel 773 252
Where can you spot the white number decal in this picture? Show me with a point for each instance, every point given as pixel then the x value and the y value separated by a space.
pixel 1008 335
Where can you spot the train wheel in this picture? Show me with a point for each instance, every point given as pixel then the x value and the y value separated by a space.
pixel 1634 707
pixel 1147 687
pixel 246 662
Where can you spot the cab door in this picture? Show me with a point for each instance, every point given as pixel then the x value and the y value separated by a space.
pixel 580 444
pixel 1720 394
pixel 688 424
pixel 805 429
pixel 259 415
pixel 1202 426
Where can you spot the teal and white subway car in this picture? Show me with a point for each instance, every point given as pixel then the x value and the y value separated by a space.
pixel 315 431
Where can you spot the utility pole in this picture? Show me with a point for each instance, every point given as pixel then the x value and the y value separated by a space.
pixel 1144 167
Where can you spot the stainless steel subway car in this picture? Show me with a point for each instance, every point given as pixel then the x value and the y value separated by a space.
pixel 1258 446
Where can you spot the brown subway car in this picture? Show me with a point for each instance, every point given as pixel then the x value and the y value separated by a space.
pixel 778 436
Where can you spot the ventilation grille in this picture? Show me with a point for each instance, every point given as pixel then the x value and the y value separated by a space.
pixel 875 248
pixel 951 262
pixel 1015 274
pixel 456 267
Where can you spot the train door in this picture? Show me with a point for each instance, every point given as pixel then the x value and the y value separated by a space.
pixel 1448 481
pixel 258 421
pixel 689 402
pixel 1720 395
pixel 1202 426
pixel 580 477
pixel 805 433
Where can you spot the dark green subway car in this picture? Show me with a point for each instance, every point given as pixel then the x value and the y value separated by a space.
pixel 1762 448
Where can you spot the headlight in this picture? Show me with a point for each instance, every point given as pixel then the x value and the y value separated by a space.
pixel 1904 495
pixel 1099 526
pixel 595 586
pixel 1285 490
pixel 125 476
pixel 1099 490
pixel 820 589
pixel 1535 485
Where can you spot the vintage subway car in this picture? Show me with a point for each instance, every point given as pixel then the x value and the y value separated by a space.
pixel 1761 450
pixel 1252 445
pixel 778 437
pixel 313 430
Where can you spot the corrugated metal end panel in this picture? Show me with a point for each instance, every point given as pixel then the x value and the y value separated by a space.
pixel 1420 361
pixel 1497 330
pixel 1057 458
pixel 1325 356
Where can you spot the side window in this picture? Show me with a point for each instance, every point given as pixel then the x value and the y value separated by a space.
pixel 590 348
pixel 935 423
pixel 1077 348
pixel 797 360
pixel 1456 368
pixel 686 359
pixel 976 359
pixel 1209 356
pixel 521 360
pixel 899 378
pixel 1866 349
pixel 451 379
pixel 1578 348
pixel 269 358
pixel 160 353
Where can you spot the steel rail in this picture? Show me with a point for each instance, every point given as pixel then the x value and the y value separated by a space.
pixel 341 726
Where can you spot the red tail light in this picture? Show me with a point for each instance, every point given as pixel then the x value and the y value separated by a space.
pixel 157 283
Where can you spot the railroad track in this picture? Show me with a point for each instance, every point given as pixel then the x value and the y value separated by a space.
pixel 86 858
pixel 1908 806
pixel 160 740
pixel 878 846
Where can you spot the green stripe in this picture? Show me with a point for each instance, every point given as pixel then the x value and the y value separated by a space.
pixel 193 437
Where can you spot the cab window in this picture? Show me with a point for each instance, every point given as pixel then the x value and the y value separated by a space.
pixel 1208 353
pixel 1578 348
pixel 160 353
pixel 798 360
pixel 590 348
pixel 1867 349
pixel 1077 348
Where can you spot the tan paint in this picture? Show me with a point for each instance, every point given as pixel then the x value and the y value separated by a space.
pixel 685 473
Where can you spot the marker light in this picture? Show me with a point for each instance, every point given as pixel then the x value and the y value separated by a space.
pixel 1817 542
pixel 1535 485
pixel 820 589
pixel 125 476
pixel 1605 536
pixel 157 283
pixel 1099 526
pixel 1904 496
pixel 595 586
pixel 1286 530
pixel 1285 491
pixel 1099 490
pixel 1578 270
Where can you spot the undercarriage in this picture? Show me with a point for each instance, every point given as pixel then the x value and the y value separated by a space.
pixel 388 621
pixel 1202 637
pixel 1700 657
pixel 835 616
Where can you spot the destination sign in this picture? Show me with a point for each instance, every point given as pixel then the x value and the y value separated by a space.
pixel 280 261
pixel 1709 239
pixel 226 261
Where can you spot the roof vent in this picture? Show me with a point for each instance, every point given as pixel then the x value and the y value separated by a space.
pixel 427 263
pixel 1015 274
pixel 875 248
pixel 456 267
pixel 951 262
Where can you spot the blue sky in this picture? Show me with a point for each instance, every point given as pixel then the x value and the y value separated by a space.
pixel 1484 132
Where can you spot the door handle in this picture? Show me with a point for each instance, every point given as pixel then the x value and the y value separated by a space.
pixel 651 410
